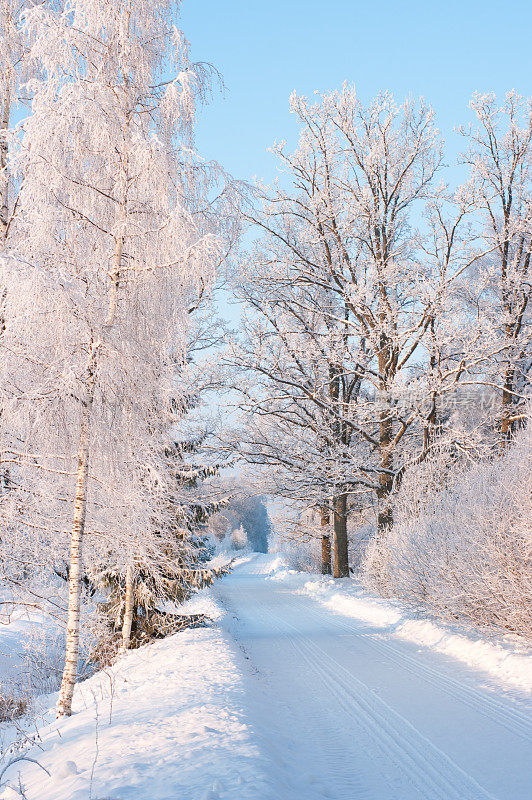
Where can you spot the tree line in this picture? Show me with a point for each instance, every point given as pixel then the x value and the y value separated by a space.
pixel 388 313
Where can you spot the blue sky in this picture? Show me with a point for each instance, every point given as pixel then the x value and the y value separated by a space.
pixel 443 51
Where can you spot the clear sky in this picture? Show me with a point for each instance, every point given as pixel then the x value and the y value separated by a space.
pixel 266 48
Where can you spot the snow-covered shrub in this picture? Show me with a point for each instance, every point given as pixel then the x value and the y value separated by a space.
pixel 302 554
pixel 360 529
pixel 239 539
pixel 13 702
pixel 462 542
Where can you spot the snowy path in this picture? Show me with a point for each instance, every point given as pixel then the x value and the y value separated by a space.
pixel 284 698
pixel 342 712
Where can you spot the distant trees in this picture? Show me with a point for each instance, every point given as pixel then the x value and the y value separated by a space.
pixel 115 238
pixel 243 510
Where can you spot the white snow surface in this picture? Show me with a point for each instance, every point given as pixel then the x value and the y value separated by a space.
pixel 302 689
pixel 506 659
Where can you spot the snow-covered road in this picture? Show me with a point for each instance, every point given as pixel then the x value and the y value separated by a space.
pixel 303 688
pixel 341 711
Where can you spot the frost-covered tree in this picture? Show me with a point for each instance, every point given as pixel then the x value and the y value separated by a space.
pixel 16 68
pixel 12 52
pixel 354 324
pixel 176 565
pixel 500 160
pixel 116 234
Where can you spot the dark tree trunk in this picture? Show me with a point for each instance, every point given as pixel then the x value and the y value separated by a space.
pixel 508 408
pixel 341 556
pixel 385 514
pixel 325 542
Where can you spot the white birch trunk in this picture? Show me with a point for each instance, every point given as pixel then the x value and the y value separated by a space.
pixel 4 175
pixel 64 704
pixel 128 610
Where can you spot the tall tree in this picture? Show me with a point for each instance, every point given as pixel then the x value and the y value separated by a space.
pixel 500 160
pixel 116 235
pixel 350 335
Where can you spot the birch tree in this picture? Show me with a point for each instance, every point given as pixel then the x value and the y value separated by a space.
pixel 11 58
pixel 115 237
pixel 15 70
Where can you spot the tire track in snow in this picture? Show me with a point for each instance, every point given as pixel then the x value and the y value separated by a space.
pixel 332 761
pixel 433 773
pixel 512 719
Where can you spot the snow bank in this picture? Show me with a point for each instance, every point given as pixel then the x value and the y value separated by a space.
pixel 506 659
pixel 166 721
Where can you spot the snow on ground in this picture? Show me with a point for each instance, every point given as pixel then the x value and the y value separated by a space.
pixel 166 721
pixel 347 711
pixel 505 658
pixel 300 690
